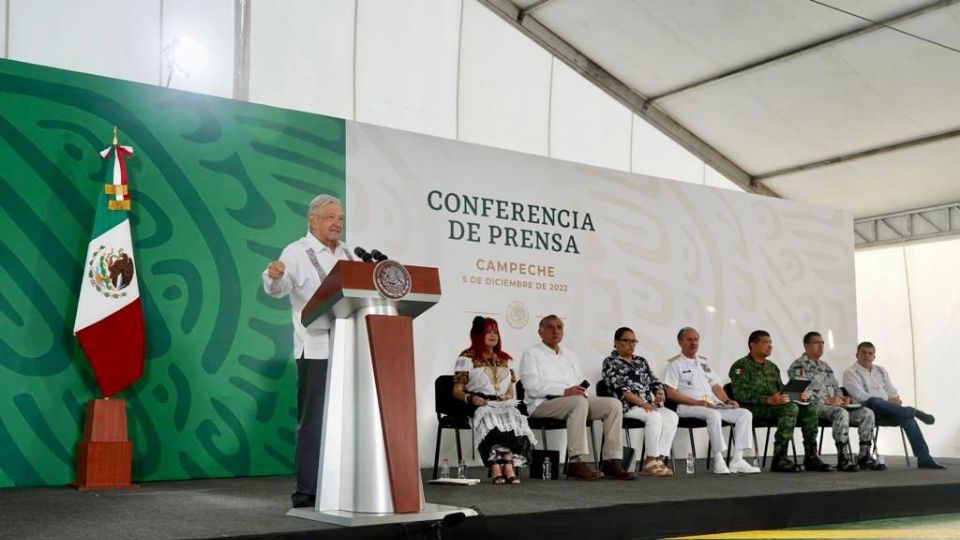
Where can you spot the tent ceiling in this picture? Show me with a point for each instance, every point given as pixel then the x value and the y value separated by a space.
pixel 811 102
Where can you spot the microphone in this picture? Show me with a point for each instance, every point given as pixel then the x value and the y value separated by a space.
pixel 362 253
pixel 378 256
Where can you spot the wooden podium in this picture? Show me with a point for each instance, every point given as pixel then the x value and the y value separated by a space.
pixel 369 470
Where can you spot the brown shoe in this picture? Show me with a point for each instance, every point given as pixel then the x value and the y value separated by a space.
pixel 611 469
pixel 579 471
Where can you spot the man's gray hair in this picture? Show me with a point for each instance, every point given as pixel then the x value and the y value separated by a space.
pixel 320 201
pixel 686 329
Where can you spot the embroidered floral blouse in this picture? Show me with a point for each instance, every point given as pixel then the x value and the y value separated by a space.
pixel 634 376
pixel 489 374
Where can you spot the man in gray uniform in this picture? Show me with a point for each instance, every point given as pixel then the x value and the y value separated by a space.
pixel 824 391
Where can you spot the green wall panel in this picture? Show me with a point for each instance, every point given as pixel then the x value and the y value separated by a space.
pixel 219 187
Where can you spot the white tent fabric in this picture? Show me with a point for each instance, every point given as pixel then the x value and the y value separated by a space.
pixel 780 85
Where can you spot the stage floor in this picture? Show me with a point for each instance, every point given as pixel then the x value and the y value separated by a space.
pixel 256 506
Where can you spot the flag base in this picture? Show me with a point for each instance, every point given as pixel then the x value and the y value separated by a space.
pixel 104 455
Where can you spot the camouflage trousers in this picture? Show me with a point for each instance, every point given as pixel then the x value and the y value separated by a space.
pixel 788 417
pixel 842 419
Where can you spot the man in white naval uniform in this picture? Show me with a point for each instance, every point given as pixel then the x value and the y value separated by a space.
pixel 691 382
pixel 302 267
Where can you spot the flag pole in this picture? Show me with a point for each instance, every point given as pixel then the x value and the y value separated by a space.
pixel 104 458
pixel 114 143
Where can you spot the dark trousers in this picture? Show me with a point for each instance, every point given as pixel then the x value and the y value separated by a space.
pixel 311 388
pixel 888 413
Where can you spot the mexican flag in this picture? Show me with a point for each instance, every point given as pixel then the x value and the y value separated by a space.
pixel 109 323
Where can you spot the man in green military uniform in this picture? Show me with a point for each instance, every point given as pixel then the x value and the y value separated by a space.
pixel 757 386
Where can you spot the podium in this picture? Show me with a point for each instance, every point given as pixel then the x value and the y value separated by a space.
pixel 369 470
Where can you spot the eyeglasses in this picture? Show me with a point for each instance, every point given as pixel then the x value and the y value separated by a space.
pixel 629 341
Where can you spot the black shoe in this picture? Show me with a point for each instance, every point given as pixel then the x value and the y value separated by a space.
pixel 780 462
pixel 926 418
pixel 867 462
pixel 303 500
pixel 845 462
pixel 811 461
pixel 929 464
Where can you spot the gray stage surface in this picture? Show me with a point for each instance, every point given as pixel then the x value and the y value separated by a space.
pixel 246 506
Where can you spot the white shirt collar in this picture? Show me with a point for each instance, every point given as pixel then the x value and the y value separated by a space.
pixel 547 348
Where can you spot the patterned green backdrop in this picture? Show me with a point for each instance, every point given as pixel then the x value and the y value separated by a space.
pixel 219 187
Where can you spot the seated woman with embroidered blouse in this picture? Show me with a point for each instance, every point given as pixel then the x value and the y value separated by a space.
pixel 484 378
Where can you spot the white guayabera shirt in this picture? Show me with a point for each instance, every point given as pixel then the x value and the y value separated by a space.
pixel 307 263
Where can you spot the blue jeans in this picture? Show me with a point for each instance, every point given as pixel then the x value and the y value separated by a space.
pixel 888 413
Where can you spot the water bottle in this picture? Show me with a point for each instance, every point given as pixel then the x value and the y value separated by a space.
pixel 547 469
pixel 691 465
pixel 880 459
pixel 462 470
pixel 445 469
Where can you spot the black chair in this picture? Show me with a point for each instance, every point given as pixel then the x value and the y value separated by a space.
pixel 762 423
pixel 628 423
pixel 550 424
pixel 451 414
pixel 903 437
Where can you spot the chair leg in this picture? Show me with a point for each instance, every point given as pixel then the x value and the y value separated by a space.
pixel 459 448
pixel 709 454
pixel 593 443
pixel 436 453
pixel 756 446
pixel 626 437
pixel 473 446
pixel 793 446
pixel 906 455
pixel 876 445
pixel 766 445
pixel 730 444
pixel 820 448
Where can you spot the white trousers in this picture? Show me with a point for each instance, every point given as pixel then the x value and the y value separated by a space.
pixel 742 420
pixel 660 425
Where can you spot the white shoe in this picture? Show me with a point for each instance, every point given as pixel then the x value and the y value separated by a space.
pixel 741 466
pixel 719 467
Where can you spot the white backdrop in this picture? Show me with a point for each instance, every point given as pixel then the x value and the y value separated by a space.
pixel 663 255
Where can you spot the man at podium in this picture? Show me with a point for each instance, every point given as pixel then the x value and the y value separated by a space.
pixel 298 273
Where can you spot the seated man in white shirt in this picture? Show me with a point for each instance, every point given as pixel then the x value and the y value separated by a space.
pixel 870 385
pixel 693 385
pixel 551 378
